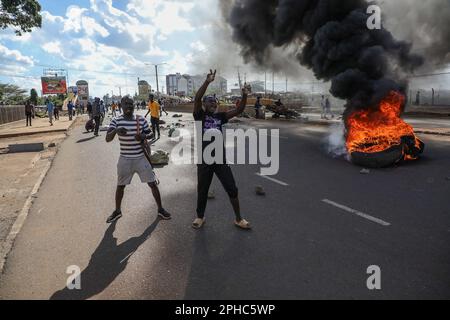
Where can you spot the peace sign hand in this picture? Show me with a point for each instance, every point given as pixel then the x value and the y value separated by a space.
pixel 211 76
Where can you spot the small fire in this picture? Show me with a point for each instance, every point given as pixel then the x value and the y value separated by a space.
pixel 372 131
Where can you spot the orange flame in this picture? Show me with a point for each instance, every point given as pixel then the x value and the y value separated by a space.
pixel 371 131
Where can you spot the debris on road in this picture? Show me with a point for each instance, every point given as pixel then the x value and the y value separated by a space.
pixel 365 171
pixel 159 157
pixel 51 145
pixel 26 147
pixel 177 115
pixel 211 194
pixel 260 191
pixel 171 130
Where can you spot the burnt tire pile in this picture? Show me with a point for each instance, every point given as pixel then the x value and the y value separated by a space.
pixel 407 149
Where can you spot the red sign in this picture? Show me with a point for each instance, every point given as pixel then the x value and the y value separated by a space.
pixel 54 85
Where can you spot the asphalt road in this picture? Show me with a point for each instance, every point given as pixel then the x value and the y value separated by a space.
pixel 300 247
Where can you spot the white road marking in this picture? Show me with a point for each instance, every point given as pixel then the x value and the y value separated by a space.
pixel 272 179
pixel 358 213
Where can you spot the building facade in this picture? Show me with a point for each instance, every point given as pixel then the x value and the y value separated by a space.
pixel 187 85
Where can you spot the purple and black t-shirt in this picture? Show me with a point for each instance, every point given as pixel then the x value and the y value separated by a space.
pixel 213 121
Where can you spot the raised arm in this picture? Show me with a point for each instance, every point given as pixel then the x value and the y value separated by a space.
pixel 235 112
pixel 201 91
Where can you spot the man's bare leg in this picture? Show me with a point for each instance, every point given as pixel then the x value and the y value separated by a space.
pixel 119 196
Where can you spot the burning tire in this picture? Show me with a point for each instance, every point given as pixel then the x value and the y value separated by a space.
pixel 380 159
pixel 406 150
pixel 378 138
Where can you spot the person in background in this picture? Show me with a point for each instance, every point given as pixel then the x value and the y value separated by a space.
pixel 153 109
pixel 29 110
pixel 70 110
pixel 102 111
pixel 77 108
pixel 96 114
pixel 50 110
pixel 163 107
pixel 257 107
pixel 328 108
pixel 56 112
pixel 323 106
pixel 113 109
pixel 89 109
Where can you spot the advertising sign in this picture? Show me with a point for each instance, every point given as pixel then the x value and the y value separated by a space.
pixel 54 85
pixel 83 89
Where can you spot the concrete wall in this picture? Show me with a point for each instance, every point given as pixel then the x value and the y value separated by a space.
pixel 11 113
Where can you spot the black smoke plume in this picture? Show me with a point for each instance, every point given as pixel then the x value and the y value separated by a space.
pixel 333 41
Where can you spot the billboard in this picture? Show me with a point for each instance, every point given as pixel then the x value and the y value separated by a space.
pixel 144 88
pixel 83 89
pixel 54 85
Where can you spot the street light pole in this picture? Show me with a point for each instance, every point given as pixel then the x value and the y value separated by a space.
pixel 156 71
pixel 157 83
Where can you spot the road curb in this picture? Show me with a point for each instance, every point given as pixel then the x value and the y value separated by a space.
pixel 21 134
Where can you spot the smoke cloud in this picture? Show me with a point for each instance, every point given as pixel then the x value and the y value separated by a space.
pixel 331 38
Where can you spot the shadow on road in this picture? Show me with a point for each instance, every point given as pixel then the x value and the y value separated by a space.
pixel 220 267
pixel 107 262
pixel 85 139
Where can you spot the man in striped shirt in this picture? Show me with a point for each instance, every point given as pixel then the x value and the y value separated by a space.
pixel 132 159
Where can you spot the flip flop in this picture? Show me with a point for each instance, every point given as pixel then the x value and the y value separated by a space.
pixel 198 223
pixel 243 224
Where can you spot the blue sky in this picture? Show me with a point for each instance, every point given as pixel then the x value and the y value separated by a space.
pixel 109 42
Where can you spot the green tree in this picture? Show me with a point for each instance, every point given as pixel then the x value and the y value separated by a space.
pixel 21 15
pixel 12 94
pixel 33 96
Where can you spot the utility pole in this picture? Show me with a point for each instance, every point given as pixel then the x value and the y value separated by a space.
pixel 156 71
pixel 286 84
pixel 273 83
pixel 265 84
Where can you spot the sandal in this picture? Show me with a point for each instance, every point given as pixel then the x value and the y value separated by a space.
pixel 243 224
pixel 198 223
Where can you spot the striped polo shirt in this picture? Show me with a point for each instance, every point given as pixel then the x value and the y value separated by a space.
pixel 129 147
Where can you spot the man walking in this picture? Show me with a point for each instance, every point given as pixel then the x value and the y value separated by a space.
pixel 132 159
pixel 50 110
pixel 89 109
pixel 206 116
pixel 29 110
pixel 70 110
pixel 162 105
pixel 56 112
pixel 153 109
pixel 323 106
pixel 96 115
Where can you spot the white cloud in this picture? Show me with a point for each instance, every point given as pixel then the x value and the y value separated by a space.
pixel 15 56
pixel 53 47
pixel 13 61
pixel 109 47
